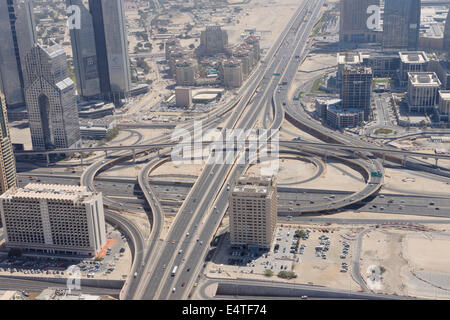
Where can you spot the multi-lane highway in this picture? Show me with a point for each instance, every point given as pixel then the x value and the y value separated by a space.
pixel 198 218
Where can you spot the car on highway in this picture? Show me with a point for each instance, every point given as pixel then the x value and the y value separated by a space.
pixel 173 290
pixel 183 284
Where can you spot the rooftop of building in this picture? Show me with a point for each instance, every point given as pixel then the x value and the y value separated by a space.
pixel 52 50
pixel 444 94
pixel 424 79
pixel 231 62
pixel 337 109
pixel 250 189
pixel 49 192
pixel 349 58
pixel 413 56
pixel 329 101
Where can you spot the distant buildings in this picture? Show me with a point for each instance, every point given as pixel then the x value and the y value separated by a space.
pixel 356 89
pixel 353 21
pixel 7 161
pixel 253 211
pixel 100 50
pixel 50 99
pixel 17 37
pixel 232 73
pixel 85 60
pixel 53 219
pixel 213 40
pixel 422 91
pixel 401 24
pixel 446 44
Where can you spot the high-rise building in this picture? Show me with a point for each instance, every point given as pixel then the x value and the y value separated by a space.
pixel 423 90
pixel 50 97
pixel 232 73
pixel 356 89
pixel 353 21
pixel 183 97
pixel 185 72
pixel 253 211
pixel 17 36
pixel 7 160
pixel 53 219
pixel 401 24
pixel 411 61
pixel 85 54
pixel 444 106
pixel 213 40
pixel 111 41
pixel 446 44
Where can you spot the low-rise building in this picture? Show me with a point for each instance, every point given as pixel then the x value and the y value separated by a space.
pixel 340 118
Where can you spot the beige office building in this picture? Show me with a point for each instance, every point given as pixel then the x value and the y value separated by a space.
pixel 183 96
pixel 422 91
pixel 186 70
pixel 232 73
pixel 53 219
pixel 253 211
pixel 7 161
pixel 444 105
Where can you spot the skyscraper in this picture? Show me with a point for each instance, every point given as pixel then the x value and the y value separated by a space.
pixel 401 24
pixel 253 211
pixel 356 89
pixel 446 45
pixel 50 98
pixel 213 40
pixel 85 54
pixel 111 42
pixel 7 161
pixel 17 36
pixel 353 21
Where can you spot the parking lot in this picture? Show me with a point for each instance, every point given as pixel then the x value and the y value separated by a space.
pixel 316 254
pixel 115 263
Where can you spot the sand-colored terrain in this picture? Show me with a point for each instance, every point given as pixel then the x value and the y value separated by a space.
pixel 410 263
pixel 402 181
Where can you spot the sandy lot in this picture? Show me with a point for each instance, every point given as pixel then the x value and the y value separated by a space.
pixel 410 263
pixel 408 182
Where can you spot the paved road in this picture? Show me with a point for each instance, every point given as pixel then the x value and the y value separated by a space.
pixel 294 290
pixel 196 211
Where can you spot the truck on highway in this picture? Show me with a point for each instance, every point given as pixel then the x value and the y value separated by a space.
pixel 174 270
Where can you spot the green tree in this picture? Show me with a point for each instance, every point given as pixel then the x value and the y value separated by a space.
pixel 268 273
